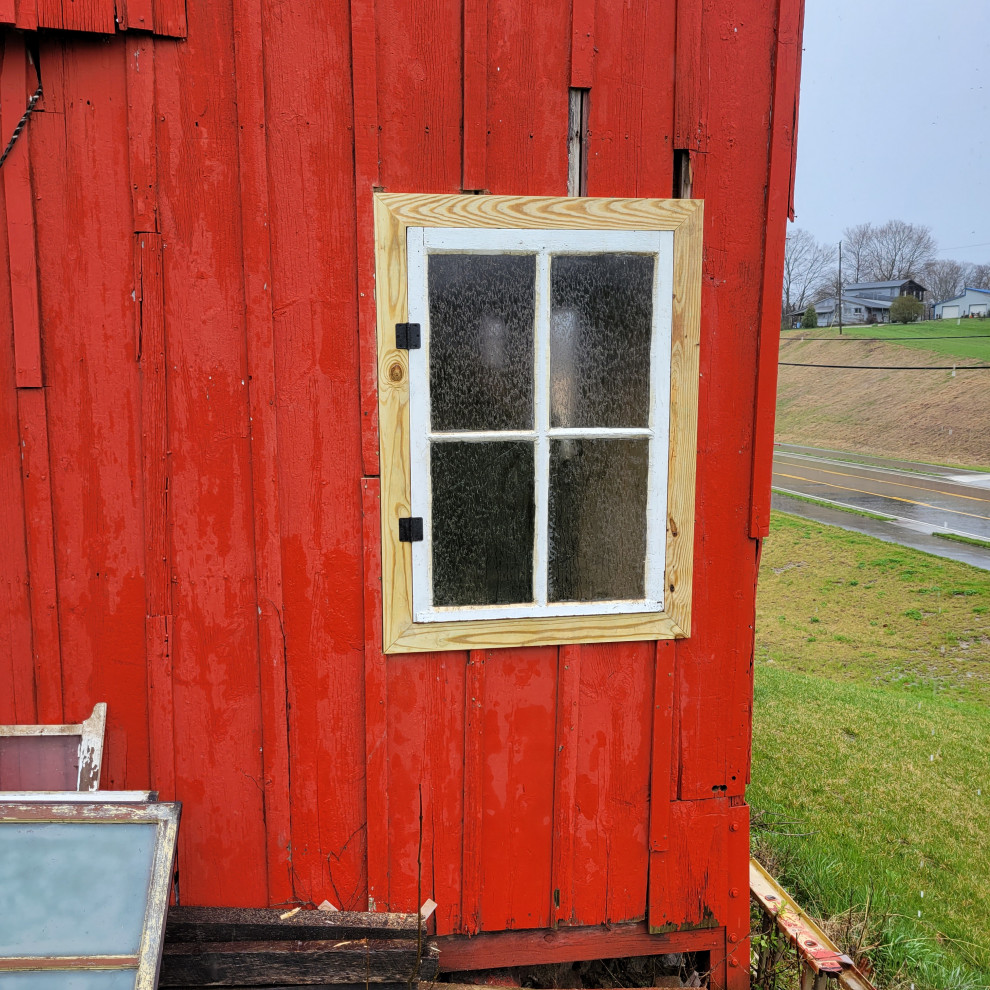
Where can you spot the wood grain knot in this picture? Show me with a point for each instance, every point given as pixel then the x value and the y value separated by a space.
pixel 395 372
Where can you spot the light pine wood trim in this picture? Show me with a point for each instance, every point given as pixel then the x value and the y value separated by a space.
pixel 684 351
pixel 394 213
pixel 553 212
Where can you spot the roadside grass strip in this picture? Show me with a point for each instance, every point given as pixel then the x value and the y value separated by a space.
pixel 826 503
pixel 871 746
pixel 973 541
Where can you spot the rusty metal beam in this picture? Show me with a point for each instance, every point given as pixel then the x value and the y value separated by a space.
pixel 821 958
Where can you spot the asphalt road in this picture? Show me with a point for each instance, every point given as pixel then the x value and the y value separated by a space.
pixel 920 498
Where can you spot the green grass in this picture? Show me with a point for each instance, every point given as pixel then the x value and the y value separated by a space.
pixel 904 619
pixel 976 350
pixel 959 538
pixel 871 729
pixel 884 796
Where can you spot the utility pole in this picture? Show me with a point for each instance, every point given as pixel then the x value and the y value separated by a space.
pixel 840 289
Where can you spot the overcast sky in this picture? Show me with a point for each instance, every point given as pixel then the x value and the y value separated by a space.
pixel 895 119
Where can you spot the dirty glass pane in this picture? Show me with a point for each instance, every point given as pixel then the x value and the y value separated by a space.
pixel 74 888
pixel 481 341
pixel 601 316
pixel 89 979
pixel 39 763
pixel 483 510
pixel 597 546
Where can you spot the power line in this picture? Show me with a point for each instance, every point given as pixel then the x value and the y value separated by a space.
pixel 891 367
pixel 961 247
pixel 847 340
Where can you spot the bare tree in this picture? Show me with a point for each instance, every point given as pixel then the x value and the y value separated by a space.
pixel 856 242
pixel 943 279
pixel 807 266
pixel 978 276
pixel 898 250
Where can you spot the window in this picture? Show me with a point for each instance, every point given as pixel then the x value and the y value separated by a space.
pixel 538 445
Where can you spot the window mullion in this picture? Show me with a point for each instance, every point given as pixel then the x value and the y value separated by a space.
pixel 541 421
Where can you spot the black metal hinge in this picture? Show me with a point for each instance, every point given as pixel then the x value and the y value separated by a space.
pixel 410 529
pixel 408 336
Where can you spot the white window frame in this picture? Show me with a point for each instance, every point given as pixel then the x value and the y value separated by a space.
pixel 543 244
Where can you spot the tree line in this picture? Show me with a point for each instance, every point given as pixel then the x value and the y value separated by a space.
pixel 873 253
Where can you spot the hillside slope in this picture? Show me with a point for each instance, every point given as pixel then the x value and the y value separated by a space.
pixel 922 415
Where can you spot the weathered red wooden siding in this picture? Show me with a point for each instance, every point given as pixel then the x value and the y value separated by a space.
pixel 188 488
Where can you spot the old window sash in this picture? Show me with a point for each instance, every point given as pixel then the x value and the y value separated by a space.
pixel 456 217
pixel 110 868
pixel 544 245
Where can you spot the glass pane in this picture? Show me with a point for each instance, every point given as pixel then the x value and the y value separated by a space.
pixel 481 341
pixel 74 888
pixel 483 510
pixel 597 519
pixel 88 979
pixel 601 318
pixel 39 763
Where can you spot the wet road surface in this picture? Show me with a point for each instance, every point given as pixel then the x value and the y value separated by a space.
pixel 921 498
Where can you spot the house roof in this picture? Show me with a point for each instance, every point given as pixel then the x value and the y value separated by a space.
pixel 892 284
pixel 962 295
pixel 829 304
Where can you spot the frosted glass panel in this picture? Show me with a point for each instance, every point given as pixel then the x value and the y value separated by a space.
pixel 39 763
pixel 481 341
pixel 483 510
pixel 601 320
pixel 90 979
pixel 597 533
pixel 74 889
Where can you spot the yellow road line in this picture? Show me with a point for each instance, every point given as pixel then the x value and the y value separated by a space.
pixel 896 498
pixel 899 484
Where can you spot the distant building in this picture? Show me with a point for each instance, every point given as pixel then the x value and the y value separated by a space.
pixel 855 309
pixel 973 302
pixel 887 290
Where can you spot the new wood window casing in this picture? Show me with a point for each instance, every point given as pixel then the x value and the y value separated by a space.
pixel 411 228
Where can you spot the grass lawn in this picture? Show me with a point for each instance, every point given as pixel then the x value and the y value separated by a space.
pixel 871 735
pixel 976 349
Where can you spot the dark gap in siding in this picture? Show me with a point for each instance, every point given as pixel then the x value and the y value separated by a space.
pixel 579 103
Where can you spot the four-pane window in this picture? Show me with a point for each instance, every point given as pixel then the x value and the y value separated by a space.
pixel 539 407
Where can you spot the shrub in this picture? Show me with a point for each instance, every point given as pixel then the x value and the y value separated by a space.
pixel 810 319
pixel 905 309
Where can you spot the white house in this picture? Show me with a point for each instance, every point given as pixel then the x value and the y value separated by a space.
pixel 855 309
pixel 973 302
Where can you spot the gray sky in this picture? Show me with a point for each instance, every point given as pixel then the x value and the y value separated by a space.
pixel 895 119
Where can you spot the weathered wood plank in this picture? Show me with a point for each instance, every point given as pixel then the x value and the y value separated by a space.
pixel 779 206
pixel 21 226
pixel 260 350
pixel 459 953
pixel 475 127
pixel 582 43
pixel 300 962
pixel 474 772
pixel 364 87
pixel 375 701
pixel 565 782
pixel 203 924
pixel 517 785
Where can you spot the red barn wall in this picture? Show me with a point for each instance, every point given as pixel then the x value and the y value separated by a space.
pixel 188 476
